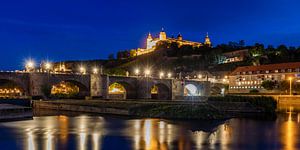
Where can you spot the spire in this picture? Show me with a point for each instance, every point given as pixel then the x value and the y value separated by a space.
pixel 162 34
pixel 207 40
pixel 149 36
pixel 179 37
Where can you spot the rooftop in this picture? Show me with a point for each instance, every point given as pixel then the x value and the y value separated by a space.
pixel 271 68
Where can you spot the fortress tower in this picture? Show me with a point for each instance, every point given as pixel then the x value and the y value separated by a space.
pixel 207 40
pixel 162 35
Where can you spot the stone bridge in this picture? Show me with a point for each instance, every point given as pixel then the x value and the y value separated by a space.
pixel 97 85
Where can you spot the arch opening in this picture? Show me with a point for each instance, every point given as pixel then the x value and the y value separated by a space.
pixel 69 89
pixel 191 90
pixel 120 90
pixel 10 89
pixel 160 91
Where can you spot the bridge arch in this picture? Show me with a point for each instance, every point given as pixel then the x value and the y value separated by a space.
pixel 83 90
pixel 191 89
pixel 12 88
pixel 160 91
pixel 121 90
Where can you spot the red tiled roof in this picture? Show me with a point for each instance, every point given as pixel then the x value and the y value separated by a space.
pixel 270 67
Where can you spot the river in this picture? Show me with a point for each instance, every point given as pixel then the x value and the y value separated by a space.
pixel 85 131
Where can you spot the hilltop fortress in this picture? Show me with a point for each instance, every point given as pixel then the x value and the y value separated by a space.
pixel 152 42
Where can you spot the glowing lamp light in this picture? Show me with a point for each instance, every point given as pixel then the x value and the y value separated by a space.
pixel 82 70
pixel 29 65
pixel 147 72
pixel 199 76
pixel 48 65
pixel 161 75
pixel 95 70
pixel 169 75
pixel 137 71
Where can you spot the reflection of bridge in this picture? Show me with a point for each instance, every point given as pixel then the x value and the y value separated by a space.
pixel 96 85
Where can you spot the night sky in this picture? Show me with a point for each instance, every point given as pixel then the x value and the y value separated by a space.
pixel 80 30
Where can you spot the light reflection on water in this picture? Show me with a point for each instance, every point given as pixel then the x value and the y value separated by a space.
pixel 95 132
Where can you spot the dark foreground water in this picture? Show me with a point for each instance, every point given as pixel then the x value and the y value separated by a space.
pixel 117 133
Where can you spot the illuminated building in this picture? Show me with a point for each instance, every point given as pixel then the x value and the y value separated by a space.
pixel 234 56
pixel 244 79
pixel 152 42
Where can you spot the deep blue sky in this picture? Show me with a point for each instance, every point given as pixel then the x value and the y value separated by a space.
pixel 86 29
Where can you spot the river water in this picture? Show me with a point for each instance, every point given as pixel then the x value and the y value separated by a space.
pixel 83 131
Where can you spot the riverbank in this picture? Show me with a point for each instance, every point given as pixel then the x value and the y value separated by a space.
pixel 9 112
pixel 210 110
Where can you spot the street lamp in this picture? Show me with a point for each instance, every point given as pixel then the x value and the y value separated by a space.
pixel 147 72
pixel 200 76
pixel 82 70
pixel 169 75
pixel 161 75
pixel 290 78
pixel 95 70
pixel 29 65
pixel 137 71
pixel 48 66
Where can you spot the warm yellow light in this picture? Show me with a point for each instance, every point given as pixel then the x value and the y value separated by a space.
pixel 290 78
pixel 161 74
pixel 48 65
pixel 169 75
pixel 95 70
pixel 29 65
pixel 82 69
pixel 147 72
pixel 137 71
pixel 199 76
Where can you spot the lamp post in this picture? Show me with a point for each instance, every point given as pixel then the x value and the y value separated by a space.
pixel 290 78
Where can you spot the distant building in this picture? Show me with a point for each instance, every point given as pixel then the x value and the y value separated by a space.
pixel 152 42
pixel 234 56
pixel 243 79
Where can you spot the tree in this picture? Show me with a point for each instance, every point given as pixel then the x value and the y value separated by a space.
pixel 111 56
pixel 268 85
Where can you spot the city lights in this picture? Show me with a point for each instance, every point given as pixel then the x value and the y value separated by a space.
pixel 48 65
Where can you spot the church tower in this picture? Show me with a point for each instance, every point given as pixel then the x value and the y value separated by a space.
pixel 207 40
pixel 179 37
pixel 149 41
pixel 162 35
